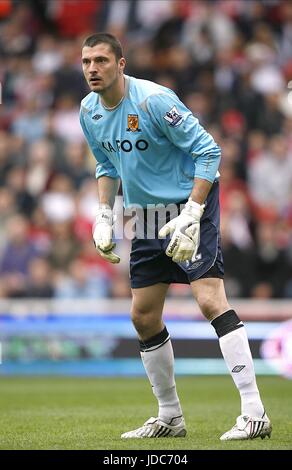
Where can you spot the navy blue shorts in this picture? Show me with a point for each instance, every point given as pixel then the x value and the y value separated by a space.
pixel 150 265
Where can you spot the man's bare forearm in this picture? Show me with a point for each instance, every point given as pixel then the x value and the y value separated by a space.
pixel 107 189
pixel 200 190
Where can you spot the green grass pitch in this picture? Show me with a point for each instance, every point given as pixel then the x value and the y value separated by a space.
pixel 82 413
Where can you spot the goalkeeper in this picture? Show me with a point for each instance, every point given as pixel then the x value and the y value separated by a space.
pixel 142 134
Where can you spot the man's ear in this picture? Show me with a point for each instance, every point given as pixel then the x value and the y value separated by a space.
pixel 122 65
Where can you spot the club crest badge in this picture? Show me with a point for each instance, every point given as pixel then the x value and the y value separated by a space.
pixel 133 123
pixel 173 117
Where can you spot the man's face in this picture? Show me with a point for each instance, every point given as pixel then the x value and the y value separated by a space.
pixel 100 67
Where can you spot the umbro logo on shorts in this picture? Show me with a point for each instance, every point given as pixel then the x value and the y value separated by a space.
pixel 237 369
pixel 195 265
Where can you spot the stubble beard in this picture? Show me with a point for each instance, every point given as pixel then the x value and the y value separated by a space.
pixel 107 88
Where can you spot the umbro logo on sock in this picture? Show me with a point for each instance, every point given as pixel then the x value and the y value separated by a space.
pixel 237 368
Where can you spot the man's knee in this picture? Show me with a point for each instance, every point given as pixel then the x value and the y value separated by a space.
pixel 211 306
pixel 141 315
pixel 211 297
pixel 145 318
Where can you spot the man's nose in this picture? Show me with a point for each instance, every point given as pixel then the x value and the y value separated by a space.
pixel 92 67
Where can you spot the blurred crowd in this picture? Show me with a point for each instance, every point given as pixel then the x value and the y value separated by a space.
pixel 230 61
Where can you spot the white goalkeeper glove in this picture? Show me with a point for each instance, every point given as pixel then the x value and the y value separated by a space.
pixel 103 233
pixel 185 231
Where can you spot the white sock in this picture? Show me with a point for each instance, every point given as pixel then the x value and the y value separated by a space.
pixel 236 352
pixel 158 361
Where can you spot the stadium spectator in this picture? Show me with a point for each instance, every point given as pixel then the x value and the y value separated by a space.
pixel 39 283
pixel 64 246
pixel 17 254
pixel 82 283
pixel 270 263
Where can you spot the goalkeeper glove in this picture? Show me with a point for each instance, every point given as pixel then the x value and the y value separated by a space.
pixel 103 232
pixel 185 231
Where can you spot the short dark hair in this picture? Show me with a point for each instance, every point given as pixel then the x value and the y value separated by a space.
pixel 105 38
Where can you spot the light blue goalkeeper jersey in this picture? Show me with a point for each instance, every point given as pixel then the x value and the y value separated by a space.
pixel 151 141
